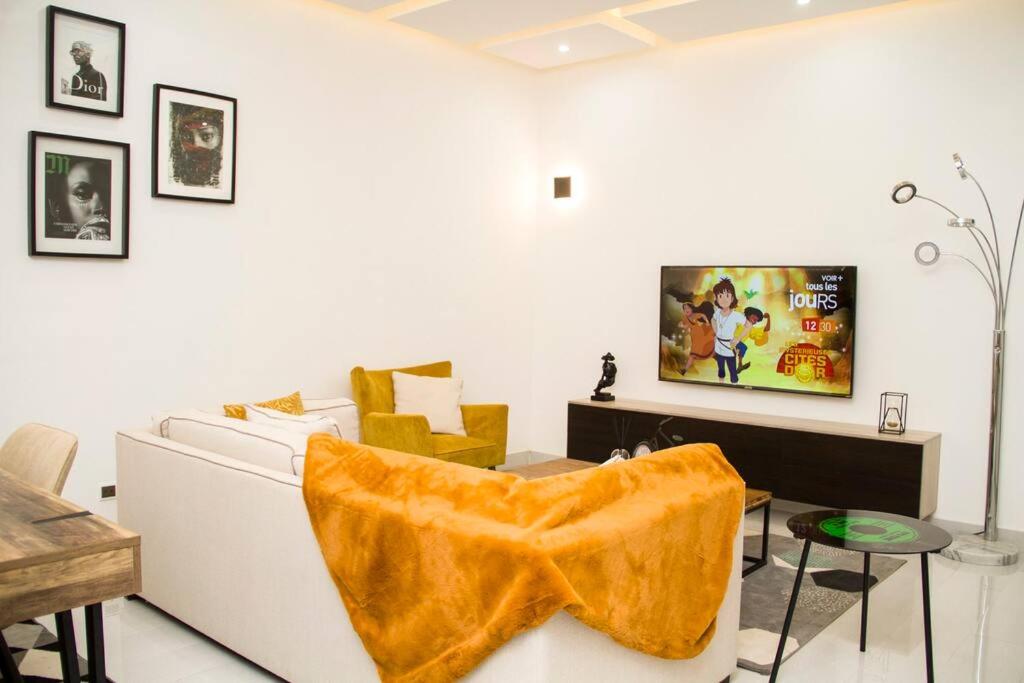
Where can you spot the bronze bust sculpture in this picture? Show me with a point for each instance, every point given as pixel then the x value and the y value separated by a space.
pixel 608 371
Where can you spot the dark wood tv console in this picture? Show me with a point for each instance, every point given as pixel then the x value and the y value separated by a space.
pixel 831 464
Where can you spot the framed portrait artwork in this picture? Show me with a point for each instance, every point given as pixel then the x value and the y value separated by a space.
pixel 193 144
pixel 78 196
pixel 84 62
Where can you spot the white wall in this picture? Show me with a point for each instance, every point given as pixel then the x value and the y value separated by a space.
pixel 781 146
pixel 386 214
pixel 385 211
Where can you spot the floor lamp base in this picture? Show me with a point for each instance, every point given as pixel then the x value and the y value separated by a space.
pixel 973 549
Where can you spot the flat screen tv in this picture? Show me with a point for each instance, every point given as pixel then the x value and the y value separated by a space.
pixel 781 328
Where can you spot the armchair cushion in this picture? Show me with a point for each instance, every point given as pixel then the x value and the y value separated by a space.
pixel 405 433
pixel 437 398
pixel 373 390
pixel 466 450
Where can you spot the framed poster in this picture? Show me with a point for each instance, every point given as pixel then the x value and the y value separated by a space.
pixel 78 196
pixel 84 62
pixel 193 144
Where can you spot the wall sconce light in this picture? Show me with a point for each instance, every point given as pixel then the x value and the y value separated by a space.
pixel 563 187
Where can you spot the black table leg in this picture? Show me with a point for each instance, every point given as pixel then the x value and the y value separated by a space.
pixel 68 649
pixel 94 643
pixel 927 618
pixel 789 612
pixel 864 604
pixel 761 561
pixel 8 669
pixel 764 531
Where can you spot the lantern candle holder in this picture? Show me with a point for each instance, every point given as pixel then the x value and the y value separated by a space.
pixel 892 413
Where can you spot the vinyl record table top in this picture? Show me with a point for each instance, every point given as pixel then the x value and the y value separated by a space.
pixel 869 532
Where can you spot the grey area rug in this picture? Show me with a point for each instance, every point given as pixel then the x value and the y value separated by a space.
pixel 831 585
pixel 36 653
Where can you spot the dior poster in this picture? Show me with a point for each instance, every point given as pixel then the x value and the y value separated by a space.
pixel 85 62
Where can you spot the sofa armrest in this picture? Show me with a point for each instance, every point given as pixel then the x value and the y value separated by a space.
pixel 488 422
pixel 405 433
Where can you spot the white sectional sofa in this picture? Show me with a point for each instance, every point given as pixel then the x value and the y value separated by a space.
pixel 228 549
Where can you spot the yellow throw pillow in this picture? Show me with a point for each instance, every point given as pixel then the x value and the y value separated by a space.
pixel 286 404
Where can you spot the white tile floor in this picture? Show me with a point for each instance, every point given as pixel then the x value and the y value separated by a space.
pixel 977 622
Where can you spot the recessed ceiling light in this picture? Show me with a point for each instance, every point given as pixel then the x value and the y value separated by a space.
pixel 563 48
pixel 803 2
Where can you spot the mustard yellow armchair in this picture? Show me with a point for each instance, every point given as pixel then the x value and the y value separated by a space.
pixel 486 425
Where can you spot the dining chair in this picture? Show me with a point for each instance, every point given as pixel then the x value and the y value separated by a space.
pixel 41 456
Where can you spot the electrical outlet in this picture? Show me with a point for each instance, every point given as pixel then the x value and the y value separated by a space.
pixel 107 492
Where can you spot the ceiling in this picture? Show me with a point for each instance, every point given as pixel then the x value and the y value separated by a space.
pixel 544 34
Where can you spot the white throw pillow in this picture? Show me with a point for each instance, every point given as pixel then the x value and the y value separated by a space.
pixel 343 410
pixel 300 424
pixel 251 442
pixel 437 398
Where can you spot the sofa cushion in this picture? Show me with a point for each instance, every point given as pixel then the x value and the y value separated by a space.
pixel 464 449
pixel 298 424
pixel 343 410
pixel 291 403
pixel 251 442
pixel 435 398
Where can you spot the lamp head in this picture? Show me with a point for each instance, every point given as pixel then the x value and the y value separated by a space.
pixel 958 163
pixel 960 222
pixel 927 253
pixel 904 192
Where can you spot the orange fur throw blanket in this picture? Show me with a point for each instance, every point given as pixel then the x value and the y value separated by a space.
pixel 439 564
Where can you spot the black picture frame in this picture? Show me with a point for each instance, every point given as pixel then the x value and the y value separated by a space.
pixel 162 141
pixel 52 14
pixel 35 248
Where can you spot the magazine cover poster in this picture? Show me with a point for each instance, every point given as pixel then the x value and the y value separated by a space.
pixel 193 144
pixel 79 196
pixel 759 327
pixel 86 62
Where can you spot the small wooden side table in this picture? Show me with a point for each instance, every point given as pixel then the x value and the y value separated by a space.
pixel 55 557
pixel 550 468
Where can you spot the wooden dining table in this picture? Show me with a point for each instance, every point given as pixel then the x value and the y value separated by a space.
pixel 56 557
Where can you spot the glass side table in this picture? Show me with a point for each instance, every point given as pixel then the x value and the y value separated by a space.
pixel 865 532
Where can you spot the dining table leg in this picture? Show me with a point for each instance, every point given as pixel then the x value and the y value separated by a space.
pixel 8 669
pixel 68 648
pixel 94 643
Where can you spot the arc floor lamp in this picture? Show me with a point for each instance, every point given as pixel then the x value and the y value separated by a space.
pixel 984 547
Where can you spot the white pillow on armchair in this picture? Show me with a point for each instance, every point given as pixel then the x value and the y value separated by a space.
pixel 436 398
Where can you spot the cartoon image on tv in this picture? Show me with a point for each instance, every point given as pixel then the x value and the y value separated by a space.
pixel 789 329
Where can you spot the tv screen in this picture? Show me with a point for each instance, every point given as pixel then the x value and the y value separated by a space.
pixel 782 328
